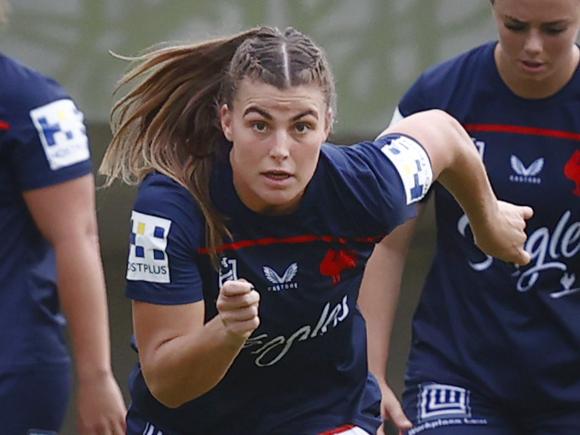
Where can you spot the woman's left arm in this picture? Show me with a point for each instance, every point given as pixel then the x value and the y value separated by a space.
pixel 498 226
pixel 65 215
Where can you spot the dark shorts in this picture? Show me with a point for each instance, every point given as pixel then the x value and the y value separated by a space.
pixel 138 425
pixel 34 401
pixel 438 409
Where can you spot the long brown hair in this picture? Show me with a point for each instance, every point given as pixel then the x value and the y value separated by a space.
pixel 169 121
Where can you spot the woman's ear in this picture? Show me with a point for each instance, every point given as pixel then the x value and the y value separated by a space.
pixel 226 121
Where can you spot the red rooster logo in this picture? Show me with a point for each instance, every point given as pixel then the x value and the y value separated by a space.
pixel 572 171
pixel 335 262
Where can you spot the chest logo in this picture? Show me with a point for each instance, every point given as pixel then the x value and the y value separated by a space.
pixel 283 282
pixel 337 261
pixel 525 174
pixel 572 171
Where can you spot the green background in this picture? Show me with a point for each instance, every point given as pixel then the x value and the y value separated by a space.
pixel 377 49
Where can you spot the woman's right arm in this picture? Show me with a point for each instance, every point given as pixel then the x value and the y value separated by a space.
pixel 183 358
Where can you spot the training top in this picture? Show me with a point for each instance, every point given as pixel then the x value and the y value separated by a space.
pixel 511 332
pixel 304 370
pixel 42 142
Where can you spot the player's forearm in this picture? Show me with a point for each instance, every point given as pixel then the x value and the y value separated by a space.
pixel 186 367
pixel 466 178
pixel 83 300
pixel 379 295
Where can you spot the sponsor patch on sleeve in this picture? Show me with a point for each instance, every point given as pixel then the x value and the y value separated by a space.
pixel 148 249
pixel 62 133
pixel 412 164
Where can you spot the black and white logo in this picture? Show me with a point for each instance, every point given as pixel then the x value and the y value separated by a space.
pixel 526 174
pixel 439 400
pixel 283 282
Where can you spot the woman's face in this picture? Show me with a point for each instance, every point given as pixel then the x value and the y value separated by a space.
pixel 537 38
pixel 276 136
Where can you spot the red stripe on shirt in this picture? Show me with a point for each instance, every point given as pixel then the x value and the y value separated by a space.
pixel 294 240
pixel 338 430
pixel 4 125
pixel 519 129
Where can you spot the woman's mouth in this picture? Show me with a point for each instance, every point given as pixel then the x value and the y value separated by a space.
pixel 277 175
pixel 533 67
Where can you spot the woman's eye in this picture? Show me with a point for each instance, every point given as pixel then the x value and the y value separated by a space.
pixel 260 127
pixel 554 30
pixel 515 27
pixel 303 127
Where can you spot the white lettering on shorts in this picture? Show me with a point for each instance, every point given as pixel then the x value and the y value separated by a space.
pixel 442 405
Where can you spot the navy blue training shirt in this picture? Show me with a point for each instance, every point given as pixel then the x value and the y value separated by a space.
pixel 304 370
pixel 511 332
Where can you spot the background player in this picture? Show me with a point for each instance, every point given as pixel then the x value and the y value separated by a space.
pixel 496 347
pixel 50 259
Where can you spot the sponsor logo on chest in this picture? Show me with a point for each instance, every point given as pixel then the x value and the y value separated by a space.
pixel 549 249
pixel 281 282
pixel 526 174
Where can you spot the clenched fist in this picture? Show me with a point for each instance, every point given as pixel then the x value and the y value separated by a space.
pixel 237 306
pixel 503 235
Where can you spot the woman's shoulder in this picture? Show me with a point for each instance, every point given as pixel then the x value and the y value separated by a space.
pixel 164 196
pixel 24 88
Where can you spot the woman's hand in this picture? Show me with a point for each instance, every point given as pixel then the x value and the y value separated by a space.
pixel 237 307
pixel 502 234
pixel 391 411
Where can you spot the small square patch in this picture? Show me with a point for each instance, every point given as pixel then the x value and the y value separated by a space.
pixel 147 253
pixel 438 400
pixel 62 133
pixel 412 164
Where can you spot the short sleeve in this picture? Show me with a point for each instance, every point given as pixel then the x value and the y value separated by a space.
pixel 46 137
pixel 381 180
pixel 166 229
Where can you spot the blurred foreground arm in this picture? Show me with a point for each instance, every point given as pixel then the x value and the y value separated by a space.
pixel 65 215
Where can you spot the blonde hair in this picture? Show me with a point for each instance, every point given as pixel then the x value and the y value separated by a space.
pixel 169 121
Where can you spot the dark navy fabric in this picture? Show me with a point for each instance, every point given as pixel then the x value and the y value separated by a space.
pixel 34 402
pixel 510 333
pixel 303 371
pixel 42 143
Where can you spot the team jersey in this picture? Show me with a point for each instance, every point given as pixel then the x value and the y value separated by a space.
pixel 304 370
pixel 42 142
pixel 512 332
